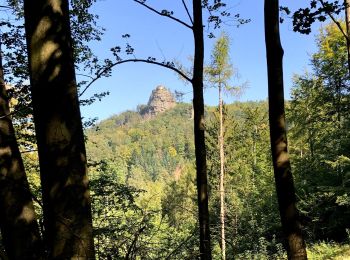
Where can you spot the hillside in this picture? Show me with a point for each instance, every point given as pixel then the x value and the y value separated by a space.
pixel 156 146
pixel 144 176
pixel 148 164
pixel 157 139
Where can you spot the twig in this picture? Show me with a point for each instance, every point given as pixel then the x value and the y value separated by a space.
pixel 99 75
pixel 6 7
pixel 36 199
pixel 163 14
pixel 335 21
pixel 29 151
pixel 180 245
pixel 188 13
pixel 136 236
pixel 88 76
pixel 13 112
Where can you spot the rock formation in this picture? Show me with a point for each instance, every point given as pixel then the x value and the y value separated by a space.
pixel 160 100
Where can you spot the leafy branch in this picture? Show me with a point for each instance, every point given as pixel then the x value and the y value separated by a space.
pixel 327 10
pixel 303 18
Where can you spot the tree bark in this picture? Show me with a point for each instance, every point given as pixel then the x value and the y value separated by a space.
pixel 222 189
pixel 280 157
pixel 199 132
pixel 347 22
pixel 62 156
pixel 19 228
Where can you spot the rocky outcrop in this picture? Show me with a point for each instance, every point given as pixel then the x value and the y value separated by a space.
pixel 160 100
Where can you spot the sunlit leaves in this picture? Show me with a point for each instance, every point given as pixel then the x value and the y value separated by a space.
pixel 318 120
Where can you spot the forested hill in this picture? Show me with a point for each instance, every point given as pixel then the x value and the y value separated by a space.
pixel 144 195
pixel 148 164
pixel 143 178
pixel 154 146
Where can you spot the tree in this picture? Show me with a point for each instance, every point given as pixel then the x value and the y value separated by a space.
pixel 219 72
pixel 320 121
pixel 62 157
pixel 20 230
pixel 196 80
pixel 319 10
pixel 279 147
pixel 199 131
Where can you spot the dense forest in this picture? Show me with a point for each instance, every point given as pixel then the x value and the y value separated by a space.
pixel 170 179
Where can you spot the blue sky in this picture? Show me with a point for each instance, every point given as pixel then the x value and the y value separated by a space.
pixel 160 37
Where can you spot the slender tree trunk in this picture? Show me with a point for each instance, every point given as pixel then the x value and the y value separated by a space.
pixel 62 156
pixel 280 157
pixel 254 154
pixel 199 129
pixel 19 228
pixel 254 145
pixel 347 21
pixel 222 189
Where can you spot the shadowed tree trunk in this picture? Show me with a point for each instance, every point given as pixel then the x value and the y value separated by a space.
pixel 199 129
pixel 62 156
pixel 20 231
pixel 347 21
pixel 280 157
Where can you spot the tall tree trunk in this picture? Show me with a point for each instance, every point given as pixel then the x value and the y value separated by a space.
pixel 222 189
pixel 19 228
pixel 199 129
pixel 280 157
pixel 347 21
pixel 62 156
pixel 254 146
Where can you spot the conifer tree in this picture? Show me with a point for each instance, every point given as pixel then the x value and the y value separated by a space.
pixel 219 72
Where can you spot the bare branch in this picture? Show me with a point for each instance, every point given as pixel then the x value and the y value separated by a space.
pixel 188 13
pixel 36 199
pixel 7 115
pixel 84 75
pixel 100 74
pixel 29 151
pixel 335 21
pixel 13 113
pixel 163 14
pixel 181 244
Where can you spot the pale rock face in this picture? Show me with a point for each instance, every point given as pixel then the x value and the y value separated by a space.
pixel 160 100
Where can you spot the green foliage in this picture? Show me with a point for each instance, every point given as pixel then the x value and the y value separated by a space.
pixel 156 155
pixel 143 175
pixel 156 147
pixel 330 250
pixel 250 198
pixel 220 69
pixel 264 250
pixel 319 127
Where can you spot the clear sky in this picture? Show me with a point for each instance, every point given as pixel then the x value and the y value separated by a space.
pixel 160 37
